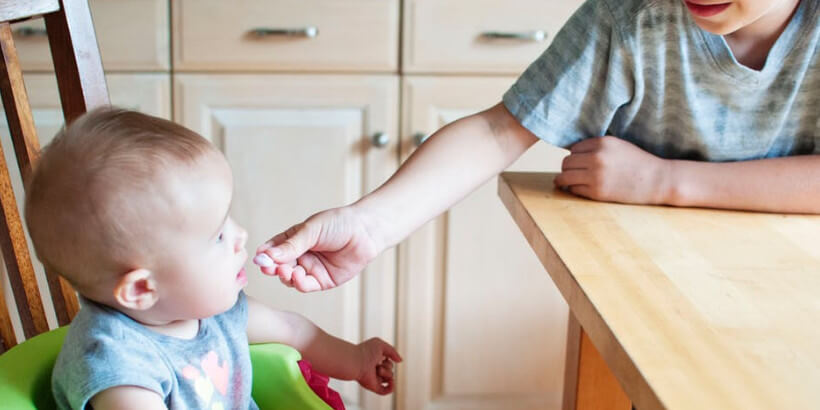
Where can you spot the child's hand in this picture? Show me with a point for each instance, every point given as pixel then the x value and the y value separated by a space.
pixel 376 372
pixel 613 170
pixel 328 249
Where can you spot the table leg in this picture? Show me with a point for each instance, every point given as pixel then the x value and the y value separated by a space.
pixel 588 383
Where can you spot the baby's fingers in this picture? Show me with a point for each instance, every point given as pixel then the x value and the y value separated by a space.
pixel 384 373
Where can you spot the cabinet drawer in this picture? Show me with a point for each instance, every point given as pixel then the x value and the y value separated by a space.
pixel 132 34
pixel 456 36
pixel 346 35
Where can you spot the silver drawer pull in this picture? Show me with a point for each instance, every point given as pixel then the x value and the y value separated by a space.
pixel 28 32
pixel 419 138
pixel 307 32
pixel 536 36
pixel 380 139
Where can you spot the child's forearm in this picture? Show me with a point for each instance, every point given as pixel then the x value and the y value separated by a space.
pixel 789 184
pixel 449 165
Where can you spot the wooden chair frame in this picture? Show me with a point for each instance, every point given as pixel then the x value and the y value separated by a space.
pixel 81 82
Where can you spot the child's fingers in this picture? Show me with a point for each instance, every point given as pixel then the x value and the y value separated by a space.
pixel 304 282
pixel 582 190
pixel 285 272
pixel 577 161
pixel 586 145
pixel 316 269
pixel 572 177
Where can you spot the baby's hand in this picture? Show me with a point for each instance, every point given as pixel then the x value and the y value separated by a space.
pixel 376 372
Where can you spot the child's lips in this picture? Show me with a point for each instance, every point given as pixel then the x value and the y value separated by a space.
pixel 706 10
pixel 241 277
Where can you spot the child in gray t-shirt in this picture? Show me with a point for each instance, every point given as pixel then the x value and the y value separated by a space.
pixel 134 211
pixel 705 103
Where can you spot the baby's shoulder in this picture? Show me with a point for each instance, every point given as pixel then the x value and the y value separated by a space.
pixel 101 336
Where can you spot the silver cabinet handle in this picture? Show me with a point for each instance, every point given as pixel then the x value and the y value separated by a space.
pixel 536 35
pixel 380 139
pixel 419 138
pixel 28 32
pixel 307 32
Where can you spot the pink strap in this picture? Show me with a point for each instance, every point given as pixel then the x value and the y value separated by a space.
pixel 319 384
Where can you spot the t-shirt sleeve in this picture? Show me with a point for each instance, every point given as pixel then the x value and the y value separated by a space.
pixel 96 358
pixel 573 90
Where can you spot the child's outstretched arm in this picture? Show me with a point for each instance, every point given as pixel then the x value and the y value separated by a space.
pixel 370 363
pixel 331 247
pixel 611 169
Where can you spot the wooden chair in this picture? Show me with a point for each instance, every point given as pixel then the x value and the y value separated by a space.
pixel 81 82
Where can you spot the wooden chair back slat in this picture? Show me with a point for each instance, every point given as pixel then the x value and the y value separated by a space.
pixel 81 82
pixel 12 237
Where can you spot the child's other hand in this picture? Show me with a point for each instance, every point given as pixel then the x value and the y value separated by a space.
pixel 611 169
pixel 376 372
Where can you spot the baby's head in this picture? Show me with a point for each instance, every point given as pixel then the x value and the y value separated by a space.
pixel 133 211
pixel 725 17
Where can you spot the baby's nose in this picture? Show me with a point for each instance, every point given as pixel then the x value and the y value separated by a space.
pixel 241 240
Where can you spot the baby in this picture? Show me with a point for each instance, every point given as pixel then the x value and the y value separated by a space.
pixel 134 212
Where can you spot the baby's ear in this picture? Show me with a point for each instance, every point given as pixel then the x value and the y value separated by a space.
pixel 136 290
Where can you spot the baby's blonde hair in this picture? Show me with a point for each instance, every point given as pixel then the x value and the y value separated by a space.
pixel 86 198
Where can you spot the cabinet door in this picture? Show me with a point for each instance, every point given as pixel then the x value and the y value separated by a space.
pixel 480 323
pixel 297 145
pixel 286 35
pixel 479 36
pixel 148 93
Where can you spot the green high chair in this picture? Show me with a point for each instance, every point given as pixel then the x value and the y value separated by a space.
pixel 25 369
pixel 25 376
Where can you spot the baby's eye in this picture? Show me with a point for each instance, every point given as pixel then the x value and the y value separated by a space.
pixel 220 237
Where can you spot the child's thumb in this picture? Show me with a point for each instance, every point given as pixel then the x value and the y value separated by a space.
pixel 294 247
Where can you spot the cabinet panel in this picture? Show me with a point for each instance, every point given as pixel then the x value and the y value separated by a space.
pixel 297 145
pixel 480 324
pixel 324 35
pixel 459 36
pixel 133 35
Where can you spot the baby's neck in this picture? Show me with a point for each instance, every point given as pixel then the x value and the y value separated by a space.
pixel 182 329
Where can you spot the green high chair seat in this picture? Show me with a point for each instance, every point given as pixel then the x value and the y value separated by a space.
pixel 25 375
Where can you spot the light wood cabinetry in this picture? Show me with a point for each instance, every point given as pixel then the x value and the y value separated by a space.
pixel 133 36
pixel 306 35
pixel 297 145
pixel 479 36
pixel 479 326
pixel 294 92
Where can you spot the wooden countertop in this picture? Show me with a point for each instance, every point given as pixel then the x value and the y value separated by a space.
pixel 690 308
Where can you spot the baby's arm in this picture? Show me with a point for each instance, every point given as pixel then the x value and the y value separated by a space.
pixel 127 398
pixel 370 362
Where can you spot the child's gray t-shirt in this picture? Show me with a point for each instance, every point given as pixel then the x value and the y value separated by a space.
pixel 105 348
pixel 642 70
